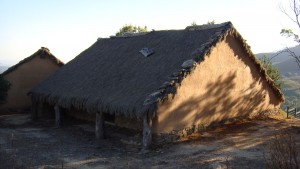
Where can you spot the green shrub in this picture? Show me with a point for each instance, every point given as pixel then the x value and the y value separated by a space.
pixel 272 71
pixel 4 87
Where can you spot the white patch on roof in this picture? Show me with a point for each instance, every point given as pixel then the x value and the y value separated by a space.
pixel 146 51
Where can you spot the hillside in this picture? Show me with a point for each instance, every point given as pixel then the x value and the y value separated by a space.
pixel 288 68
pixel 291 86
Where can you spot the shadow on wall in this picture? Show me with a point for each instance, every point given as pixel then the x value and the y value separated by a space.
pixel 221 101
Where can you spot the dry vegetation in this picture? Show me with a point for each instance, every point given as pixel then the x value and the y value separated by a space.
pixel 283 152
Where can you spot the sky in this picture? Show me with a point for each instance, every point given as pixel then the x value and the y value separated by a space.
pixel 68 27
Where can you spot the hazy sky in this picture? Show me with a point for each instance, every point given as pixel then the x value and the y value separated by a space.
pixel 67 27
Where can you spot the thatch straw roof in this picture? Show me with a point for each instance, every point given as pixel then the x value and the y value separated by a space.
pixel 113 76
pixel 43 53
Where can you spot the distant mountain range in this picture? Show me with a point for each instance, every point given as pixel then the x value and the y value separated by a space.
pixel 281 57
pixel 284 62
pixel 3 68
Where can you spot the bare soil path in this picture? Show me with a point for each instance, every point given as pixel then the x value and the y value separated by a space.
pixel 38 145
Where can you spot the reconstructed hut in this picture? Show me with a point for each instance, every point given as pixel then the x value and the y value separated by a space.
pixel 164 81
pixel 26 74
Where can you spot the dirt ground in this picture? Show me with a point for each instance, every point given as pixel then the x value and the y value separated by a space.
pixel 38 145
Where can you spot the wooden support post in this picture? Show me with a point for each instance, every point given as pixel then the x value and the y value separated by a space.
pixel 287 111
pixel 99 128
pixel 34 111
pixel 57 116
pixel 39 109
pixel 147 133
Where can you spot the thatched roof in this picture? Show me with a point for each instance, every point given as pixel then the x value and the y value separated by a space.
pixel 113 76
pixel 43 53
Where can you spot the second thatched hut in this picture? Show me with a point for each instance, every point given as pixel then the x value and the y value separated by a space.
pixel 25 75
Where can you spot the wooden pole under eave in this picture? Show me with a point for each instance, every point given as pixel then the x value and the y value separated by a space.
pixel 39 109
pixel 147 133
pixel 57 116
pixel 34 111
pixel 99 126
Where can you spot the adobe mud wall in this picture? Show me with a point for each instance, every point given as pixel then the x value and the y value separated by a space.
pixel 23 78
pixel 227 84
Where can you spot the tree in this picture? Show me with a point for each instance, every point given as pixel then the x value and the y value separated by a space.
pixel 272 71
pixel 4 87
pixel 131 28
pixel 289 33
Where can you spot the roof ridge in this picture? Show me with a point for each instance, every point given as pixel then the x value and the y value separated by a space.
pixel 188 28
pixel 207 26
pixel 129 34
